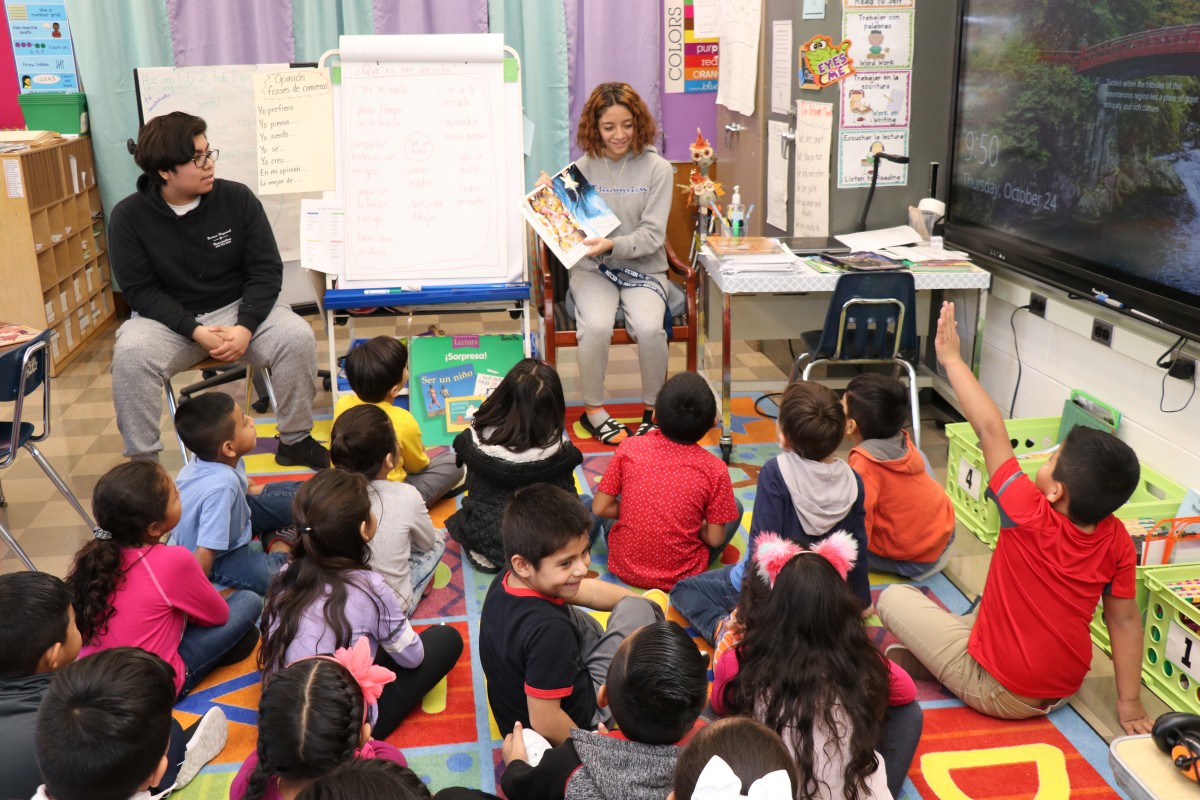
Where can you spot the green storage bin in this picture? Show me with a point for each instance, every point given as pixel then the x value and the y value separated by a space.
pixel 1164 647
pixel 64 112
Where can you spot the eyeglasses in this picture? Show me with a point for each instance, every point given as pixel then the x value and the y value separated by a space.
pixel 201 160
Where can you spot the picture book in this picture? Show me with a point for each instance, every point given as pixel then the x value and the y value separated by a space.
pixel 448 370
pixel 461 411
pixel 12 333
pixel 437 387
pixel 863 260
pixel 567 212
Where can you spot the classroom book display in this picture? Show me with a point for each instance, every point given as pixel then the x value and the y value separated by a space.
pixel 567 212
pixel 55 273
pixel 452 376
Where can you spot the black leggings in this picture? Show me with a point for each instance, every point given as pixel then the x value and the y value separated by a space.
pixel 443 646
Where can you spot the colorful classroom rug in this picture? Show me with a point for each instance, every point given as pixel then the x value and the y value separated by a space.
pixel 452 740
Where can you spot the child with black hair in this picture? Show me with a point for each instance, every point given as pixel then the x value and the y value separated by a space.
pixel 668 501
pixel 543 656
pixel 314 716
pixel 735 757
pixel 656 687
pixel 1027 648
pixel 377 370
pixel 38 636
pixel 909 516
pixel 327 597
pixel 130 589
pixel 371 779
pixel 805 667
pixel 804 494
pixel 406 548
pixel 222 512
pixel 105 731
pixel 517 438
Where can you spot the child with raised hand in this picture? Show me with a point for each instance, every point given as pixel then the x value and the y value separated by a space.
pixel 1028 647
pixel 803 494
pixel 367 780
pixel 732 758
pixel 327 597
pixel 909 516
pixel 516 439
pixel 377 370
pixel 130 589
pixel 314 716
pixel 804 655
pixel 668 501
pixel 406 548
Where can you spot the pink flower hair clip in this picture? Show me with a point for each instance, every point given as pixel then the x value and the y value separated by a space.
pixel 370 677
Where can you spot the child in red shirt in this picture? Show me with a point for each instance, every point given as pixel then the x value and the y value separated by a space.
pixel 668 501
pixel 1027 648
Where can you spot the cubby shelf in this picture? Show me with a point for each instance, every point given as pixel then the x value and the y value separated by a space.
pixel 55 272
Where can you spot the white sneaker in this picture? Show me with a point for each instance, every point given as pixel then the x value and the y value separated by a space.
pixel 206 744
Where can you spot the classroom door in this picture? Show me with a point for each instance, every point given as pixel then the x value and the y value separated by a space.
pixel 740 145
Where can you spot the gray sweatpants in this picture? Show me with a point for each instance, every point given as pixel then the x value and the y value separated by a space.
pixel 442 475
pixel 146 350
pixel 596 300
pixel 600 643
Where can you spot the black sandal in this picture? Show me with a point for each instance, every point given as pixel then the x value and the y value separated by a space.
pixel 606 431
pixel 645 427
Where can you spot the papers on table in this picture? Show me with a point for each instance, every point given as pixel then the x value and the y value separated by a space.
pixel 879 239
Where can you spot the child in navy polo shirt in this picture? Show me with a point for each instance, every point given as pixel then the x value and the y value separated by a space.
pixel 545 658
pixel 669 502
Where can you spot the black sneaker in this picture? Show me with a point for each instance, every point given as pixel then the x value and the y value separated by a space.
pixel 307 452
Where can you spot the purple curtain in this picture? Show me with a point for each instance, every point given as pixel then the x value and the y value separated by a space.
pixel 431 16
pixel 617 40
pixel 211 32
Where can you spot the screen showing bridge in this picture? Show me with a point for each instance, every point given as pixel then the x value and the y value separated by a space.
pixel 1076 146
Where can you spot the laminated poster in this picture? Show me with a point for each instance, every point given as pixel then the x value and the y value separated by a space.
pixel 826 62
pixel 855 162
pixel 881 39
pixel 876 99
pixel 451 377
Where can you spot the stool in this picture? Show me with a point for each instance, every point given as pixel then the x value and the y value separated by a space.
pixel 228 372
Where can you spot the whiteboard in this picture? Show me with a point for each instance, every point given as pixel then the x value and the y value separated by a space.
pixel 430 161
pixel 224 97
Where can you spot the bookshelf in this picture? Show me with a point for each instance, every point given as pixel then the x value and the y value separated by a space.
pixel 55 271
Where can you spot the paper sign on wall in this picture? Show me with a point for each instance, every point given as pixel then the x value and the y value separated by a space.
pixel 690 54
pixel 293 114
pixel 876 99
pixel 827 62
pixel 855 162
pixel 881 39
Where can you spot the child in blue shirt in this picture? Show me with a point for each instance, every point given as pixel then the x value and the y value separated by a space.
pixel 222 513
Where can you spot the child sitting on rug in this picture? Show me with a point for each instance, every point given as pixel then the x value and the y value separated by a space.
pixel 544 657
pixel 406 548
pixel 370 779
pixel 516 439
pixel 132 590
pixel 802 653
pixel 315 715
pixel 105 731
pixel 37 637
pixel 1028 646
pixel 735 757
pixel 656 687
pixel 327 597
pixel 669 502
pixel 910 519
pixel 803 494
pixel 222 512
pixel 377 370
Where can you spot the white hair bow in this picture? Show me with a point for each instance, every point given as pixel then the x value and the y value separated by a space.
pixel 718 782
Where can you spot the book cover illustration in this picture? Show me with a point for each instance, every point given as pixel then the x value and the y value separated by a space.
pixel 486 383
pixel 567 212
pixel 460 412
pixel 12 333
pixel 437 387
pixel 863 260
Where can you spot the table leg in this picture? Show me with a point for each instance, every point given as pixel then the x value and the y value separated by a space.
pixel 726 379
pixel 333 371
pixel 980 312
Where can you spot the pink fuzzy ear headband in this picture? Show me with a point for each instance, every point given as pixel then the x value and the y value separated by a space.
pixel 773 552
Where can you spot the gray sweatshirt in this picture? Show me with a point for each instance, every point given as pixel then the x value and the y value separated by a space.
pixel 638 190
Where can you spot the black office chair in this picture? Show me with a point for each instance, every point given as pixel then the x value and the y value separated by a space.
pixel 870 320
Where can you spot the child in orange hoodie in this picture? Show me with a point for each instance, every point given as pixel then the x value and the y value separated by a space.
pixel 910 520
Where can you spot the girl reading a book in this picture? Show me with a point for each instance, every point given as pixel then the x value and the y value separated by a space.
pixel 628 268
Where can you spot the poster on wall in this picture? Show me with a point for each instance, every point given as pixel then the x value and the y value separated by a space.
pixel 849 4
pixel 880 39
pixel 41 40
pixel 876 99
pixel 855 162
pixel 690 62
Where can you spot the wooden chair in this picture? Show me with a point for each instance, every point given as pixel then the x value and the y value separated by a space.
pixel 552 284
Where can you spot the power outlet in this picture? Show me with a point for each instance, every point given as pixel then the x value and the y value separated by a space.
pixel 1037 305
pixel 1102 332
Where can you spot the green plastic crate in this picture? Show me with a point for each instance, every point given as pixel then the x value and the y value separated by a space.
pixel 64 112
pixel 1171 644
pixel 1100 630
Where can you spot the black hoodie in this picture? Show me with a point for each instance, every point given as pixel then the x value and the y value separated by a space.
pixel 172 268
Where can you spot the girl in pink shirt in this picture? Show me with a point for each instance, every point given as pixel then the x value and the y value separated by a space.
pixel 131 589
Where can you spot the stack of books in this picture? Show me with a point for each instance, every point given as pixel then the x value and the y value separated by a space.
pixel 751 254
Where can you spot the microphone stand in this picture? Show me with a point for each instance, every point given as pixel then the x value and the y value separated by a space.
pixel 876 158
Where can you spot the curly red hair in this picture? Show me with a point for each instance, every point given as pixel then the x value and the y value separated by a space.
pixel 603 97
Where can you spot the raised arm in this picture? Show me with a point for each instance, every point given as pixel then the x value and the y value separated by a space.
pixel 600 595
pixel 977 406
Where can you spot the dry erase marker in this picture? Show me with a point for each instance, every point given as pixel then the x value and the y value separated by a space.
pixel 1142 315
pixel 1108 301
